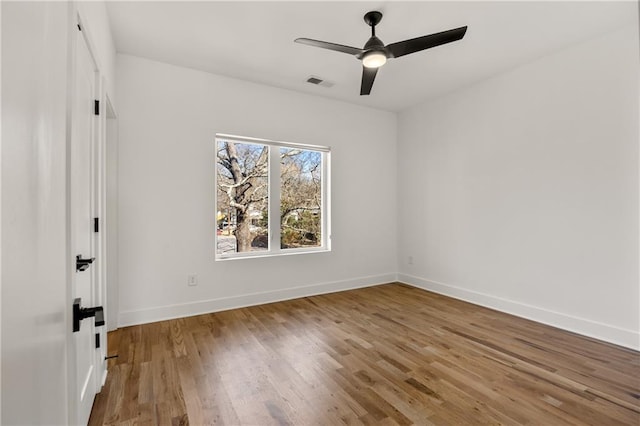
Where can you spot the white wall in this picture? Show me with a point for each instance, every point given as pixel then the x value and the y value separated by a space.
pixel 521 192
pixel 34 258
pixel 36 305
pixel 168 117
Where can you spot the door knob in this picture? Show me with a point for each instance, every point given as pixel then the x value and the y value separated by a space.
pixel 80 313
pixel 83 264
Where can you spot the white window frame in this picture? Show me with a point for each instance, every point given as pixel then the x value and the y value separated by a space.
pixel 274 199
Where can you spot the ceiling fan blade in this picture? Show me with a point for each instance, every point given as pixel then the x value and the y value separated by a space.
pixel 368 75
pixel 331 46
pixel 417 44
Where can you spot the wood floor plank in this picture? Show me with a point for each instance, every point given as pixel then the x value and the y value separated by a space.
pixel 383 355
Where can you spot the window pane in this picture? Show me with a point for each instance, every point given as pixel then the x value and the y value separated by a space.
pixel 243 197
pixel 300 198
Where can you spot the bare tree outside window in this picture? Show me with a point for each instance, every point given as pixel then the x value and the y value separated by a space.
pixel 300 198
pixel 243 189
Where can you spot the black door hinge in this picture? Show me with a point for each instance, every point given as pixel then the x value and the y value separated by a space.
pixel 96 107
pixel 79 27
pixel 96 224
pixel 97 340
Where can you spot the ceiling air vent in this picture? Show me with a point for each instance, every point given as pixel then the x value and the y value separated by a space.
pixel 318 81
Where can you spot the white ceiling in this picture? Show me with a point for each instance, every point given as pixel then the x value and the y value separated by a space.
pixel 254 40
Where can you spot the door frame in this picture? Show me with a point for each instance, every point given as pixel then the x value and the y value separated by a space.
pixel 110 222
pixel 98 200
pixel 101 240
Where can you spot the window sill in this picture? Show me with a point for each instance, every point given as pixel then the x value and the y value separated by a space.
pixel 253 255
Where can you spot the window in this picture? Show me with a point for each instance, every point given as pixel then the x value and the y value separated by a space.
pixel 271 197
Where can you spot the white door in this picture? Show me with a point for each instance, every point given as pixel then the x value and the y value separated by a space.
pixel 81 227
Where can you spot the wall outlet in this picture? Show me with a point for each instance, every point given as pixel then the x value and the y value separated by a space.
pixel 192 279
pixel 410 260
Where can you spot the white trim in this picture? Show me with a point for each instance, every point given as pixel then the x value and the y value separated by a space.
pixel 86 33
pixel 274 232
pixel 270 253
pixel 110 222
pixel 104 377
pixel 1 213
pixel 225 303
pixel 246 139
pixel 609 333
pixel 99 199
pixel 85 386
pixel 326 201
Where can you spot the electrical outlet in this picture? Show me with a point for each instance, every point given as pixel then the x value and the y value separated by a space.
pixel 410 260
pixel 192 279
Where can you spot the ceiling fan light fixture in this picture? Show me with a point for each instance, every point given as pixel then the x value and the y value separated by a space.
pixel 374 59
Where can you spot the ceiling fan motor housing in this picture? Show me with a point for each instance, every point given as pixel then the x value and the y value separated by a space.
pixel 374 43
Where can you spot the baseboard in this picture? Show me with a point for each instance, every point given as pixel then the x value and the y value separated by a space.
pixel 225 303
pixel 608 333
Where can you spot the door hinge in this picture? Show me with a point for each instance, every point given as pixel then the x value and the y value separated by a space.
pixel 96 107
pixel 96 224
pixel 79 27
pixel 97 340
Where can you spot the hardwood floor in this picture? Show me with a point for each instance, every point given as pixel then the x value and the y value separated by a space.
pixel 386 355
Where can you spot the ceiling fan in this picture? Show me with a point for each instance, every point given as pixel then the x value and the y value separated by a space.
pixel 374 54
